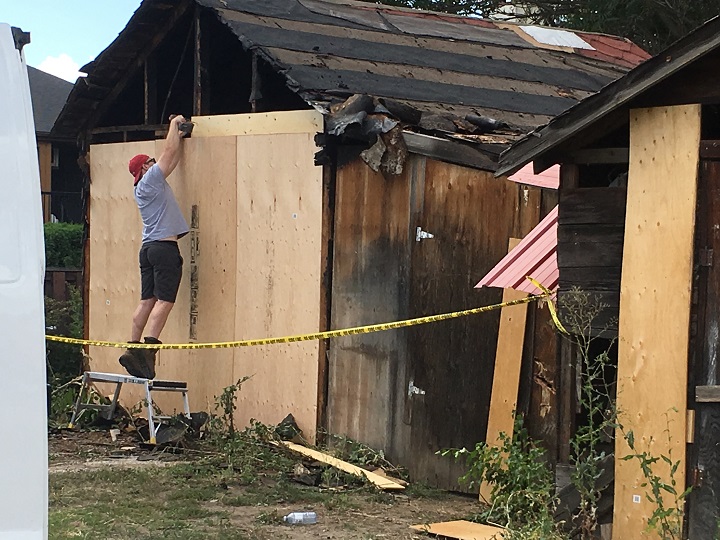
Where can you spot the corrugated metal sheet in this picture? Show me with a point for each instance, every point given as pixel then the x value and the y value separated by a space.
pixel 327 50
pixel 534 256
pixel 549 178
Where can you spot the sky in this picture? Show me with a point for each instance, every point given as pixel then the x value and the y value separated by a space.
pixel 67 34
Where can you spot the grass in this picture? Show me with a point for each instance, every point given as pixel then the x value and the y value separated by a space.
pixel 183 501
pixel 235 487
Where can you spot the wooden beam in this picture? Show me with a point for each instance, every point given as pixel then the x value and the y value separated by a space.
pixel 150 84
pixel 197 66
pixel 462 530
pixel 256 84
pixel 592 156
pixel 448 151
pixel 109 100
pixel 326 258
pixel 569 177
pixel 221 125
pixel 382 482
pixel 707 394
pixel 710 149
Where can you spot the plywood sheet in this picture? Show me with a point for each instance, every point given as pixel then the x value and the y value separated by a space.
pixel 655 302
pixel 508 361
pixel 258 269
pixel 278 276
pixel 462 530
pixel 204 178
pixel 257 123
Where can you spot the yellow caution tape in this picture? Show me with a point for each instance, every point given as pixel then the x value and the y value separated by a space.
pixel 305 337
pixel 551 305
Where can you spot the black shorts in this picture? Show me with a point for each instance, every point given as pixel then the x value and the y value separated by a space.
pixel 160 270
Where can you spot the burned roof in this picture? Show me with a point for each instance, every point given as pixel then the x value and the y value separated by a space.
pixel 686 72
pixel 439 64
pixel 48 95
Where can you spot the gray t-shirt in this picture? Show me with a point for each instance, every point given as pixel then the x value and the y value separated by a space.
pixel 159 210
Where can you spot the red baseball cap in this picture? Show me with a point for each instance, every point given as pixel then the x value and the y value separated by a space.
pixel 135 166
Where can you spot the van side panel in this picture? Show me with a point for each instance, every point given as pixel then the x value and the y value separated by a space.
pixel 23 395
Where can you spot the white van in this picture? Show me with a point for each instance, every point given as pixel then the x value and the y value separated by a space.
pixel 23 396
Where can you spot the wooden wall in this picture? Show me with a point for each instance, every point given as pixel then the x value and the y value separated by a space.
pixel 655 305
pixel 591 225
pixel 45 163
pixel 258 201
pixel 414 391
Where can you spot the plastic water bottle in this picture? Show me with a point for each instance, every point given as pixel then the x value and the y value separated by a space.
pixel 300 518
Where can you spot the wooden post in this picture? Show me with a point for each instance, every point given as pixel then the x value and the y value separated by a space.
pixel 45 162
pixel 256 92
pixel 150 87
pixel 197 67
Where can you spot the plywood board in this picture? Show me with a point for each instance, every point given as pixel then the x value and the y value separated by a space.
pixel 278 276
pixel 655 303
pixel 258 124
pixel 383 482
pixel 205 178
pixel 506 378
pixel 258 269
pixel 462 530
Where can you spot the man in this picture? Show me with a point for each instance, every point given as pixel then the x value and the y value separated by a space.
pixel 160 260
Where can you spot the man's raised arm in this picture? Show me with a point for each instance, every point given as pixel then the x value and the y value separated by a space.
pixel 171 154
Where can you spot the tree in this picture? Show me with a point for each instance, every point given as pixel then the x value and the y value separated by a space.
pixel 651 24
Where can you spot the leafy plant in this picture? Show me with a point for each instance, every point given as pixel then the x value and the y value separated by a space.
pixel 64 361
pixel 580 312
pixel 667 498
pixel 63 245
pixel 226 403
pixel 522 489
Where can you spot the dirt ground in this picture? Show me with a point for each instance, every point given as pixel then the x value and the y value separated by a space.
pixel 234 510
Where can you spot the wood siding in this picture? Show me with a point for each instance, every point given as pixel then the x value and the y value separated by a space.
pixel 381 273
pixel 591 226
pixel 704 504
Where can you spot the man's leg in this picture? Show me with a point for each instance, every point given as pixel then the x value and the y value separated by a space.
pixel 140 317
pixel 157 319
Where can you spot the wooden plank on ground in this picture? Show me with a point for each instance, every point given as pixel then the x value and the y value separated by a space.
pixel 655 304
pixel 380 481
pixel 462 530
pixel 271 123
pixel 508 360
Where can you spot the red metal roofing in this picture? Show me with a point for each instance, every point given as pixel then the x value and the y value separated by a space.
pixel 534 256
pixel 613 49
pixel 549 178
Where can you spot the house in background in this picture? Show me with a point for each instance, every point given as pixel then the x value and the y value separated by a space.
pixel 397 214
pixel 60 177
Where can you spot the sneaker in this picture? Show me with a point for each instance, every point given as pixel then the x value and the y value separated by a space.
pixel 149 357
pixel 133 362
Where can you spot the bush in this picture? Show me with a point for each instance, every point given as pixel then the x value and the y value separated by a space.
pixel 63 245
pixel 64 318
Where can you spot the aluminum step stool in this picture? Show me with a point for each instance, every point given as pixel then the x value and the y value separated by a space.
pixel 107 411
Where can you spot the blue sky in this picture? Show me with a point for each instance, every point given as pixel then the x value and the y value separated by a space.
pixel 67 34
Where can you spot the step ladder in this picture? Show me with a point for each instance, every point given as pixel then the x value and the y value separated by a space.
pixel 107 411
